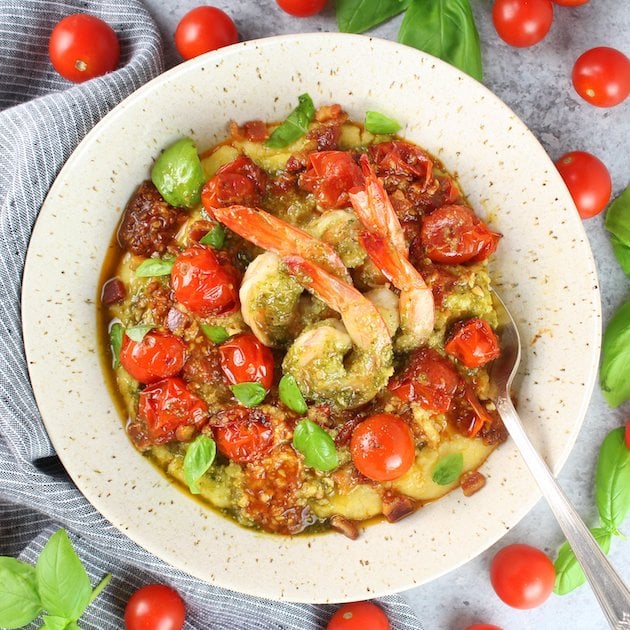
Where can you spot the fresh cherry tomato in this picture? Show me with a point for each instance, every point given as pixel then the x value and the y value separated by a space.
pixel 601 76
pixel 243 435
pixel 244 359
pixel 522 576
pixel 302 8
pixel 628 434
pixel 155 607
pixel 428 378
pixel 166 406
pixel 329 176
pixel 203 284
pixel 82 47
pixel 157 356
pixel 570 3
pixel 482 626
pixel 522 23
pixel 382 447
pixel 359 616
pixel 454 235
pixel 239 182
pixel 588 181
pixel 204 29
pixel 473 343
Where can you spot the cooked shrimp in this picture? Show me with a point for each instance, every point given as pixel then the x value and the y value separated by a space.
pixel 384 241
pixel 280 237
pixel 345 363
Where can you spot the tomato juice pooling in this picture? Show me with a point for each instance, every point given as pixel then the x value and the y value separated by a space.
pixel 299 323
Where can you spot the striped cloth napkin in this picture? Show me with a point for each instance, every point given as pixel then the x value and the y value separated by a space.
pixel 42 119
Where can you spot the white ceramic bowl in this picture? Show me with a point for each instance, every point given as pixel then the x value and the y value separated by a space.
pixel 543 268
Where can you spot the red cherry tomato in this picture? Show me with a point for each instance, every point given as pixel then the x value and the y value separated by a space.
pixel 401 159
pixel 628 434
pixel 244 359
pixel 157 356
pixel 429 378
pixel 329 176
pixel 601 76
pixel 588 181
pixel 382 447
pixel 168 405
pixel 570 3
pixel 203 284
pixel 204 29
pixel 483 626
pixel 359 616
pixel 522 23
pixel 243 435
pixel 454 235
pixel 522 576
pixel 82 47
pixel 473 343
pixel 155 607
pixel 302 8
pixel 239 182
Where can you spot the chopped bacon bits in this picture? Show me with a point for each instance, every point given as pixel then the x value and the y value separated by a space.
pixel 471 482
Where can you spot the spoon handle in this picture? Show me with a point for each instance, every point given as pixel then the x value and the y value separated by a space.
pixel 611 592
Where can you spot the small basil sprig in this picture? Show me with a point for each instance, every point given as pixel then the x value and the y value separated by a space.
pixel 295 126
pixel 215 237
pixel 116 333
pixel 316 445
pixel 448 469
pixel 216 334
pixel 138 333
pixel 291 395
pixel 199 457
pixel 613 369
pixel 178 174
pixel 58 584
pixel 375 122
pixel 358 16
pixel 153 267
pixel 618 224
pixel 250 394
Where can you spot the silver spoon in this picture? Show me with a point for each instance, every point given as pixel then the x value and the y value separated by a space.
pixel 611 592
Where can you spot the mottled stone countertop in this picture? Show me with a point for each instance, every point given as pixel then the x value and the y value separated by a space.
pixel 535 82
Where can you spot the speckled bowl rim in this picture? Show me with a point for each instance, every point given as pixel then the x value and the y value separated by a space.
pixel 544 269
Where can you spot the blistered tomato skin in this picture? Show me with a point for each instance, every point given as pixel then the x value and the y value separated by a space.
pixel 157 356
pixel 244 359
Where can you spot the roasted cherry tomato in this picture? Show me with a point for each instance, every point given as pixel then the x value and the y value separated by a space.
pixel 522 576
pixel 401 159
pixel 428 378
pixel 155 607
pixel 473 343
pixel 329 176
pixel 82 47
pixel 239 182
pixel 157 356
pixel 483 626
pixel 454 234
pixel 359 616
pixel 522 23
pixel 168 405
pixel 203 284
pixel 601 76
pixel 382 447
pixel 244 359
pixel 302 8
pixel 204 29
pixel 243 435
pixel 588 181
pixel 628 434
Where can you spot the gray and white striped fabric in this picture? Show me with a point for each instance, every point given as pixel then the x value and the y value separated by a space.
pixel 42 119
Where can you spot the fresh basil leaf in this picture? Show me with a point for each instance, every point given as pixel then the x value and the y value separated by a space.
pixel 612 480
pixel 445 29
pixel 199 457
pixel 617 220
pixel 448 469
pixel 250 394
pixel 376 122
pixel 116 333
pixel 178 175
pixel 615 362
pixel 215 237
pixel 216 334
pixel 316 445
pixel 622 253
pixel 295 126
pixel 154 267
pixel 63 584
pixel 57 623
pixel 138 333
pixel 569 574
pixel 358 16
pixel 19 600
pixel 291 395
